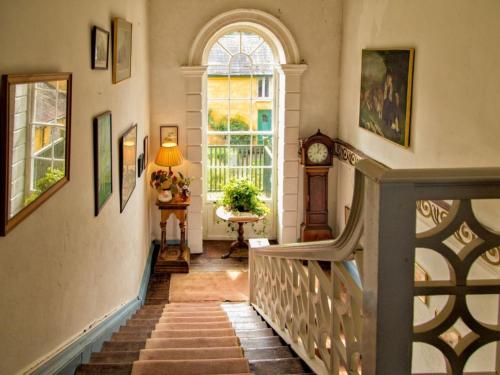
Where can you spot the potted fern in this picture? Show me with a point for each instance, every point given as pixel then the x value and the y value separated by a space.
pixel 242 196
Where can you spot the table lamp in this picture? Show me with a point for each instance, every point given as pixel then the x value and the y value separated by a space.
pixel 169 155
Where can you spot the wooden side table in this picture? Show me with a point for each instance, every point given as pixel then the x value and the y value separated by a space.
pixel 173 260
pixel 240 243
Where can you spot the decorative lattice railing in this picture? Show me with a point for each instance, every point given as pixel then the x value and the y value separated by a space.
pixel 346 308
pixel 311 294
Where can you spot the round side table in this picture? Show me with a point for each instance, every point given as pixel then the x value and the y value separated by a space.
pixel 241 218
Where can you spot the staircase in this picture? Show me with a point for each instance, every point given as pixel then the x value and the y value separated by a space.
pixel 194 339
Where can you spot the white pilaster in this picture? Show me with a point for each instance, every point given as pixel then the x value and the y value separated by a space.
pixel 195 104
pixel 288 160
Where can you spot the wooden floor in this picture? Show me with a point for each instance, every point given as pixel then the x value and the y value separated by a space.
pixel 209 261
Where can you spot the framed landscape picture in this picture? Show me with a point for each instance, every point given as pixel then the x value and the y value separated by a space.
pixel 128 165
pixel 100 48
pixel 386 90
pixel 122 50
pixel 103 173
pixel 169 134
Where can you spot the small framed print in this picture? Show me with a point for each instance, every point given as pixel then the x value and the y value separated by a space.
pixel 122 50
pixel 100 48
pixel 169 134
pixel 145 145
pixel 140 165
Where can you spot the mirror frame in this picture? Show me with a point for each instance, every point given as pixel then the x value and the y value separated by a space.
pixel 6 134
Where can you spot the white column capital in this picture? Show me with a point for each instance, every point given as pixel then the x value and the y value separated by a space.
pixel 293 69
pixel 193 71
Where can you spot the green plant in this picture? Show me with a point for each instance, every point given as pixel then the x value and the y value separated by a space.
pixel 52 175
pixel 243 196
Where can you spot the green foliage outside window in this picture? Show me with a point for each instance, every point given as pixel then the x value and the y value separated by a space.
pixel 42 184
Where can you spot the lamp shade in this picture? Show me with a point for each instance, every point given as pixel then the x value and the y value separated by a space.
pixel 169 155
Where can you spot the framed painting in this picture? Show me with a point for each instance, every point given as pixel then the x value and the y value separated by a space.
pixel 386 90
pixel 128 165
pixel 103 170
pixel 122 50
pixel 100 48
pixel 169 134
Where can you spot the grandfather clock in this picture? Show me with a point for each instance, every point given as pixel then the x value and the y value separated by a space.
pixel 317 157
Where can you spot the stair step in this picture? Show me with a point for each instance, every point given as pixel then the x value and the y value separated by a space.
pixel 190 353
pixel 193 319
pixel 260 342
pixel 196 342
pixel 169 314
pixel 178 333
pixel 269 353
pixel 246 320
pixel 134 329
pixel 216 325
pixel 193 367
pixel 256 325
pixel 122 346
pixel 277 366
pixel 134 336
pixel 114 357
pixel 142 322
pixel 262 332
pixel 104 369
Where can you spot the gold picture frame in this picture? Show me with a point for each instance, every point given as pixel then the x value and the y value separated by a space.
pixel 386 93
pixel 122 50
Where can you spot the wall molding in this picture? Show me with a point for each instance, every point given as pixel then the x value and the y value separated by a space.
pixel 347 153
pixel 66 359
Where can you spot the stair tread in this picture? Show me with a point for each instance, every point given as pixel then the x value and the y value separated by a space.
pixel 114 357
pixel 104 369
pixel 269 353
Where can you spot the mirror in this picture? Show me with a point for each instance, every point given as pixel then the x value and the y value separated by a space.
pixel 35 142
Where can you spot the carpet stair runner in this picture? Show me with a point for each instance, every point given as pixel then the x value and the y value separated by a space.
pixel 195 339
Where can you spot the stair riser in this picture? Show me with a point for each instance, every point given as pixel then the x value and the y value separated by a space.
pixel 114 357
pixel 255 333
pixel 277 366
pixel 279 352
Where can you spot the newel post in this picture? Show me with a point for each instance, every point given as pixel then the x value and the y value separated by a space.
pixel 389 243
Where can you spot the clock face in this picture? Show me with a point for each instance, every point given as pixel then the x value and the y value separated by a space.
pixel 317 153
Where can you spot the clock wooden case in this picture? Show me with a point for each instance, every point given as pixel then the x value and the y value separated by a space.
pixel 317 156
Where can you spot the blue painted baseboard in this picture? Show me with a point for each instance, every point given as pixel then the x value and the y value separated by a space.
pixel 66 361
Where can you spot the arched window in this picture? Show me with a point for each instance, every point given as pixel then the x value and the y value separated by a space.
pixel 241 134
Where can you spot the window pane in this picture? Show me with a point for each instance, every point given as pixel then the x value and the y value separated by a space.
pixel 240 87
pixel 262 115
pixel 61 107
pixel 262 55
pixel 218 115
pixel 240 65
pixel 45 106
pixel 218 55
pixel 240 115
pixel 231 42
pixel 42 137
pixel 239 154
pixel 59 136
pixel 218 87
pixel 217 140
pixel 250 42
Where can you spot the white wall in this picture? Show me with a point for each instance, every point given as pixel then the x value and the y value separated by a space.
pixel 455 93
pixel 62 268
pixel 314 24
pixel 454 119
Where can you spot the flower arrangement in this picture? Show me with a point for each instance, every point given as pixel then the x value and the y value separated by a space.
pixel 163 180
